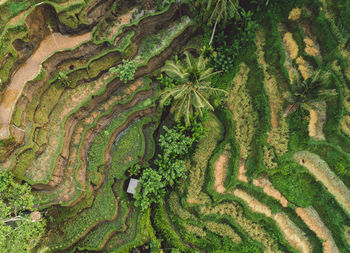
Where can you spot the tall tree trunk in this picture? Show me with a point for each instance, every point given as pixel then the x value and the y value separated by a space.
pixel 212 34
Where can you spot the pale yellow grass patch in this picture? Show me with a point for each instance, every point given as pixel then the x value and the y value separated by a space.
pixel 303 67
pixel 345 125
pixel 311 48
pixel 294 14
pixel 312 123
pixel 291 45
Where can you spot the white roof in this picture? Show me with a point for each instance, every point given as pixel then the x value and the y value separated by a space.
pixel 132 185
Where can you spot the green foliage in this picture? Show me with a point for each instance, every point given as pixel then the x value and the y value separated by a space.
pixel 166 81
pixel 167 233
pixel 174 143
pixel 16 7
pixel 20 231
pixel 231 39
pixel 192 94
pixel 125 71
pixel 152 189
pixel 171 170
pixel 63 79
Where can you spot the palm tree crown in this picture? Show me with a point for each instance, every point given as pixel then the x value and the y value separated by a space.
pixel 194 89
pixel 221 11
pixel 310 90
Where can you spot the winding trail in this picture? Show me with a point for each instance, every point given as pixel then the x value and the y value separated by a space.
pixel 29 70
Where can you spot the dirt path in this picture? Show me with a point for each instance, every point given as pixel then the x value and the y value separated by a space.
pixel 29 70
pixel 220 166
pixel 314 222
pixel 321 171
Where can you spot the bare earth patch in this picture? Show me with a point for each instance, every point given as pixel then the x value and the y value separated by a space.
pixel 220 166
pixel 241 173
pixel 268 188
pixel 124 19
pixel 314 222
pixel 253 204
pixel 321 171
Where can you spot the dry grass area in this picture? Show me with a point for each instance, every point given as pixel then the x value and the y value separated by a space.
pixel 290 45
pixel 271 191
pixel 294 14
pixel 311 47
pixel 314 222
pixel 321 171
pixel 345 125
pixel 317 121
pixel 304 68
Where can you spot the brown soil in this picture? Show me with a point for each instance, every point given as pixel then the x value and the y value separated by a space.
pixel 314 222
pixel 268 188
pixel 241 173
pixel 220 166
pixel 122 20
pixel 253 204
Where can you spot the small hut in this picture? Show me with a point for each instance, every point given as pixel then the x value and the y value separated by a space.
pixel 132 186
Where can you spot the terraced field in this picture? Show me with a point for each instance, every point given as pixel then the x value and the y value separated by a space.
pixel 268 176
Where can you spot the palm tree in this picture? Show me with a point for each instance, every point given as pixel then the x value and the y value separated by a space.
pixel 310 90
pixel 221 11
pixel 194 88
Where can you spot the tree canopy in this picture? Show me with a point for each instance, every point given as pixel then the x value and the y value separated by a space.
pixel 21 225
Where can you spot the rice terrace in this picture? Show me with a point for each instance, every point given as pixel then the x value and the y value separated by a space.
pixel 175 126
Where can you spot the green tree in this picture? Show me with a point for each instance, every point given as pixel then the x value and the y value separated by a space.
pixel 151 189
pixel 194 78
pixel 221 11
pixel 125 71
pixel 21 225
pixel 313 89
